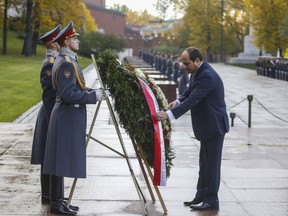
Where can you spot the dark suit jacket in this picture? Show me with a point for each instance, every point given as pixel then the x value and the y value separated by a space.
pixel 205 99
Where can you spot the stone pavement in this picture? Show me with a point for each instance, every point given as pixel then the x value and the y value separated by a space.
pixel 254 178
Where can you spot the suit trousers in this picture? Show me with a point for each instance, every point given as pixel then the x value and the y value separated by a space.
pixel 210 169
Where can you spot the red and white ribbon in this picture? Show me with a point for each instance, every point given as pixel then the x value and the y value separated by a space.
pixel 159 148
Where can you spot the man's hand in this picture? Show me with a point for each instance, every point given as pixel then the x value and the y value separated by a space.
pixel 172 105
pixel 161 116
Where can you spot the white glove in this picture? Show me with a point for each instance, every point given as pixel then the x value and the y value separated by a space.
pixel 99 94
pixel 119 62
pixel 107 93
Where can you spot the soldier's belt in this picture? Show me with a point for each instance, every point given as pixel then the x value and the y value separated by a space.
pixel 75 105
pixel 59 101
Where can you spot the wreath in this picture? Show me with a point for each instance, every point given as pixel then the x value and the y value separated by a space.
pixel 131 106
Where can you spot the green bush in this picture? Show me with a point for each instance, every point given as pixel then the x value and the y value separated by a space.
pixel 95 43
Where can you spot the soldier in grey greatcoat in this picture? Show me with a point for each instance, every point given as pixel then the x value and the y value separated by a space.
pixel 48 101
pixel 65 154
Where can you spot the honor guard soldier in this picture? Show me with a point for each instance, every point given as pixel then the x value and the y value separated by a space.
pixel 65 154
pixel 48 101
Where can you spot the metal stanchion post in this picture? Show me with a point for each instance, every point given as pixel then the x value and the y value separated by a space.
pixel 250 99
pixel 232 116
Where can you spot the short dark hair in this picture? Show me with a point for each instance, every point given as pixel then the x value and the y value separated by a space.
pixel 194 53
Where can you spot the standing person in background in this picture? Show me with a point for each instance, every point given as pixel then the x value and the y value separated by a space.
pixel 176 68
pixel 169 70
pixel 163 64
pixel 205 100
pixel 183 82
pixel 159 65
pixel 48 101
pixel 65 154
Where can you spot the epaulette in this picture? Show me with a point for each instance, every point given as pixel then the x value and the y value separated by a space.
pixel 67 58
pixel 80 80
pixel 51 59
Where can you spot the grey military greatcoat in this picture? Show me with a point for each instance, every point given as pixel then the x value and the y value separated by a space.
pixel 48 101
pixel 65 153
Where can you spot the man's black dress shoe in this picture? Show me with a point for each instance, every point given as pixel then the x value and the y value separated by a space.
pixel 195 201
pixel 60 208
pixel 204 207
pixel 72 207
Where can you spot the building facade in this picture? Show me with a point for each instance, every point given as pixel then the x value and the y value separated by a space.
pixel 108 21
pixel 136 37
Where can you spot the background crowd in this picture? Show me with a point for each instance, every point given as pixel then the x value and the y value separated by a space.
pixel 168 65
pixel 276 68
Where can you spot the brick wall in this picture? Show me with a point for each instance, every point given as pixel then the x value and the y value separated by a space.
pixel 101 3
pixel 112 22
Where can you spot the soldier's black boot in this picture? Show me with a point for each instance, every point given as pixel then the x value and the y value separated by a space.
pixel 57 195
pixel 45 187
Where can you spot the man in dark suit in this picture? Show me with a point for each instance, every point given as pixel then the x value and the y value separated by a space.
pixel 205 100
pixel 65 153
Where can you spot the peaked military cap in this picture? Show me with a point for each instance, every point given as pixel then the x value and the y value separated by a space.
pixel 65 33
pixel 49 36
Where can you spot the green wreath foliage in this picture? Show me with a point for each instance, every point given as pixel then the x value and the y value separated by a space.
pixel 130 104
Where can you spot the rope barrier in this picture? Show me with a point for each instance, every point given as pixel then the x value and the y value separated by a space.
pixel 236 104
pixel 261 105
pixel 276 116
pixel 241 119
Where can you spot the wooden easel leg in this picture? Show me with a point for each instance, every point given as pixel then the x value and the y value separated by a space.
pixel 93 122
pixel 155 186
pixel 71 192
pixel 87 141
pixel 139 191
pixel 144 172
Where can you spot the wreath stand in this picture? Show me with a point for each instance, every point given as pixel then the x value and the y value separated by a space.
pixel 138 150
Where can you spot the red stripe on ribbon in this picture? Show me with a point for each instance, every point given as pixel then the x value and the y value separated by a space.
pixel 159 170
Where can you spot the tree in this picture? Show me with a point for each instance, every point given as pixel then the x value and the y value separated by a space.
pixel 122 8
pixel 5 28
pixel 283 29
pixel 134 17
pixel 75 10
pixel 236 25
pixel 268 22
pixel 204 20
pixel 216 27
pixel 162 7
pixel 95 42
pixel 27 46
pixel 138 18
pixel 4 6
pixel 35 27
pixel 88 24
pixel 46 15
pixel 177 37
